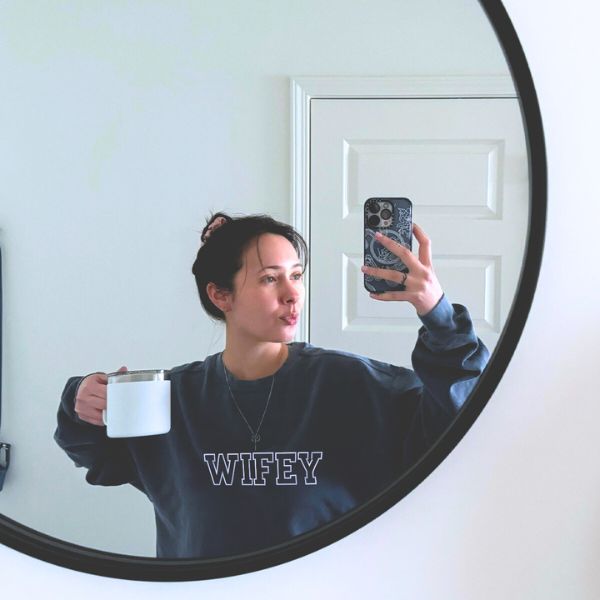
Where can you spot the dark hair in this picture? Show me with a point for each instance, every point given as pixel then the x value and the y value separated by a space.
pixel 221 255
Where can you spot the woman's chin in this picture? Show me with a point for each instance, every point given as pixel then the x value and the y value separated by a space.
pixel 288 334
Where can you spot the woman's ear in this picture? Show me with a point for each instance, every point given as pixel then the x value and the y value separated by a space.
pixel 219 297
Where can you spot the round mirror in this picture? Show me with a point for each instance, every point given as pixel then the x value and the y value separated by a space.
pixel 125 127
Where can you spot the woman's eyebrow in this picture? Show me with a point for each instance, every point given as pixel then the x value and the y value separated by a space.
pixel 278 267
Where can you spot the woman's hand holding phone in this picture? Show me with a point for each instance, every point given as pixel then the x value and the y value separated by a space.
pixel 421 286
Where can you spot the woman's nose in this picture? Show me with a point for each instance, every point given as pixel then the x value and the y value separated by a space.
pixel 291 293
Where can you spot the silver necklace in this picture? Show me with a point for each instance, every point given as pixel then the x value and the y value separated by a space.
pixel 254 435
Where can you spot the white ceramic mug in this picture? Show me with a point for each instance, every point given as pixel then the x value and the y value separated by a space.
pixel 138 403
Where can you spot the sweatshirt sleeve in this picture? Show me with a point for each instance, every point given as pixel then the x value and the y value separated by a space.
pixel 448 360
pixel 107 460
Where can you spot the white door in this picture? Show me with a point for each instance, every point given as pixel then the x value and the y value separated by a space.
pixel 463 164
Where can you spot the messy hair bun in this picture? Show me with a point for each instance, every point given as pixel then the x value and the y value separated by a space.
pixel 217 220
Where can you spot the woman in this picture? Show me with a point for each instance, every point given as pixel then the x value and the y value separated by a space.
pixel 271 439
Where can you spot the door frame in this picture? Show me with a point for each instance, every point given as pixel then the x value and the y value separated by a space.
pixel 305 89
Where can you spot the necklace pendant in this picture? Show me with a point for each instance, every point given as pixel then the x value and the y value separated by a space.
pixel 254 436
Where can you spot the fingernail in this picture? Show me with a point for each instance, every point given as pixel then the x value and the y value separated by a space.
pixel 363 268
pixel 378 234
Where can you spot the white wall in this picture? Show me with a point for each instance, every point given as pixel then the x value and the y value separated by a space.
pixel 123 125
pixel 513 512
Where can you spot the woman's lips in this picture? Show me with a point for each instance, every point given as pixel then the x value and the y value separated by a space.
pixel 290 320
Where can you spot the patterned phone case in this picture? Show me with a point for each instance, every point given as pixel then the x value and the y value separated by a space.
pixel 397 227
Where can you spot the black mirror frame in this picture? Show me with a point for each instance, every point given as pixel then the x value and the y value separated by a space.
pixel 58 552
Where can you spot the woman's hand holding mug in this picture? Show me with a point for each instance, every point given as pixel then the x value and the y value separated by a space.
pixel 90 400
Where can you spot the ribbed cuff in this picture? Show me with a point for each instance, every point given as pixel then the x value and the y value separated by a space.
pixel 440 317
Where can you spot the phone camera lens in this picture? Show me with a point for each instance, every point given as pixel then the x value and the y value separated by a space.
pixel 386 214
pixel 373 206
pixel 373 221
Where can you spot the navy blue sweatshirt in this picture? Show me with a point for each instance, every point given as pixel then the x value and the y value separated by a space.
pixel 339 428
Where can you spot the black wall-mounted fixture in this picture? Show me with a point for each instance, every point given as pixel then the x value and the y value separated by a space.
pixel 4 448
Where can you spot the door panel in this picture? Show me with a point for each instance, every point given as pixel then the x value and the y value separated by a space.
pixel 463 164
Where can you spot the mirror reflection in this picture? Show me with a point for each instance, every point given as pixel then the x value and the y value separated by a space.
pixel 128 127
pixel 270 439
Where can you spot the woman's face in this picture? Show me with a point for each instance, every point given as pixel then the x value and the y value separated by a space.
pixel 268 291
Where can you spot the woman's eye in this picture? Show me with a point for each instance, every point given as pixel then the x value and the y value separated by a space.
pixel 272 279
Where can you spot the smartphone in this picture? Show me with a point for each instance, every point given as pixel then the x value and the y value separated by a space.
pixel 393 218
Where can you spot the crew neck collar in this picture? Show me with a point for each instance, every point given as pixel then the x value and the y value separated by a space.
pixel 234 382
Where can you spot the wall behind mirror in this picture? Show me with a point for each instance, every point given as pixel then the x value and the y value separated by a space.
pixel 123 126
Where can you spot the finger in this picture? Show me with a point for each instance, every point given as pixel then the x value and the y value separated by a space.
pixel 395 296
pixel 94 395
pixel 92 391
pixel 94 418
pixel 424 245
pixel 122 370
pixel 94 388
pixel 387 274
pixel 96 402
pixel 94 378
pixel 403 253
